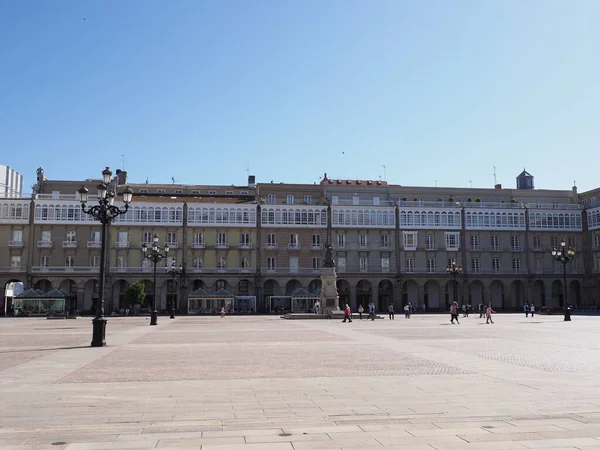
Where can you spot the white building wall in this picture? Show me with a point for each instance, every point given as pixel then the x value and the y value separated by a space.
pixel 11 182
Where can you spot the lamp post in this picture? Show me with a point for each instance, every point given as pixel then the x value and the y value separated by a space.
pixel 454 270
pixel 564 255
pixel 155 256
pixel 104 212
pixel 175 272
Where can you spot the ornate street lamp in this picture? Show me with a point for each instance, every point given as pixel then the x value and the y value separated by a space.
pixel 564 255
pixel 454 270
pixel 175 272
pixel 105 212
pixel 155 256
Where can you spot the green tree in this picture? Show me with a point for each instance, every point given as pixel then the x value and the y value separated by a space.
pixel 135 294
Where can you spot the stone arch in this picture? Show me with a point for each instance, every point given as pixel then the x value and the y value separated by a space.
pixel 557 294
pixel 291 286
pixel 431 295
pixel 90 294
pixel 343 288
pixel 410 293
pixel 221 284
pixel 574 293
pixel 43 285
pixel 497 294
pixel 517 294
pixel 271 288
pixel 116 297
pixel 449 292
pixel 314 285
pixel 149 289
pixel 69 286
pixel 197 284
pixel 385 294
pixel 244 287
pixel 165 292
pixel 12 288
pixel 539 294
pixel 476 296
pixel 364 292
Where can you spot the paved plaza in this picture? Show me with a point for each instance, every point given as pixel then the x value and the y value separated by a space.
pixel 263 383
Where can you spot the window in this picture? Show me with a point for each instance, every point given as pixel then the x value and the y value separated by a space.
pixel 495 265
pixel 195 192
pixel 197 263
pixel 294 266
pixel 15 261
pixel 71 236
pixel 316 241
pixel 571 241
pixel 597 240
pixel 430 242
pixel 245 240
pixel 221 263
pixel 45 261
pixel 363 264
pixel 475 265
pixel 178 191
pixel 516 265
pixel 271 264
pixel 555 205
pixel 452 240
pixel 228 192
pixel 271 199
pixel 376 201
pixel 430 265
pixel 212 192
pixel 316 264
pixel 474 241
pixel 95 236
pixel 294 241
pixel 538 204
pixel 384 241
pixel 147 237
pixel 17 237
pixel 94 261
pixel 222 240
pixel 171 238
pixel 356 201
pixel 271 240
pixel 198 240
pixel 409 240
pixel 290 199
pixel 515 243
pixel 341 240
pixel 243 192
pixel 245 263
pixel 335 200
pixel 362 241
pixel 554 241
pixel 539 265
pixel 143 191
pixel 451 262
pixel 537 242
pixel 341 264
pixel 69 262
pixel 46 236
pixel 410 265
pixel 385 264
pixel 121 262
pixel 160 191
pixel 494 243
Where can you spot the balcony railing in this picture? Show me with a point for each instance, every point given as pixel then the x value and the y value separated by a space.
pixel 12 268
pixel 94 244
pixel 431 247
pixel 45 244
pixel 410 248
pixel 198 245
pixel 172 244
pixel 125 244
pixel 245 245
pixel 221 245
pixel 363 246
pixel 69 244
pixel 316 246
pixel 495 248
pixel 340 246
pixel 272 246
pixel 538 249
pixel 65 269
pixel 294 246
pixel 516 248
pixel 16 244
pixel 384 246
pixel 475 248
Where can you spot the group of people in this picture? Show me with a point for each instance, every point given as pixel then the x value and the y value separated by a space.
pixel 487 310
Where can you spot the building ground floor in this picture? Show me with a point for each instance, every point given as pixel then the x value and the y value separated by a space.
pixel 422 292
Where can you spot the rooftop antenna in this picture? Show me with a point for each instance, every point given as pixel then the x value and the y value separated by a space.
pixel 248 168
pixel 471 183
pixel 173 180
pixel 435 183
pixel 123 162
pixel 384 174
pixel 494 175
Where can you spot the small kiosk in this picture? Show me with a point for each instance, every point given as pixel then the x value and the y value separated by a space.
pixel 54 303
pixel 244 304
pixel 303 300
pixel 201 302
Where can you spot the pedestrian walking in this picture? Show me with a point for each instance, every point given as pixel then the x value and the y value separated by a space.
pixel 222 312
pixel 532 309
pixel 347 314
pixel 481 310
pixel 526 309
pixel 372 311
pixel 391 311
pixel 361 310
pixel 454 312
pixel 407 311
pixel 488 314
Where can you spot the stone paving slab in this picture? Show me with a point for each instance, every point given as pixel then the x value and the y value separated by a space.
pixel 249 383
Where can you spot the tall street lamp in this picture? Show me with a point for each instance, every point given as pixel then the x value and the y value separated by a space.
pixel 564 255
pixel 175 272
pixel 155 256
pixel 104 212
pixel 454 270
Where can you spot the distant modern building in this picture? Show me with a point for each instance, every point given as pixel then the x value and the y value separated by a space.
pixel 11 182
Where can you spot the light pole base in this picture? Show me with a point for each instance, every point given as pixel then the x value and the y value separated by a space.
pixel 172 314
pixel 99 332
pixel 567 316
pixel 154 318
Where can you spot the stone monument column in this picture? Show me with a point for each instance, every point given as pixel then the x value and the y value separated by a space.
pixel 329 292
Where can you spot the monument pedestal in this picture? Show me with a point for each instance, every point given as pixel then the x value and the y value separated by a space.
pixel 329 293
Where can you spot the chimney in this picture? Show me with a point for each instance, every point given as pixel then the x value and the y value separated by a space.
pixel 251 181
pixel 497 186
pixel 121 177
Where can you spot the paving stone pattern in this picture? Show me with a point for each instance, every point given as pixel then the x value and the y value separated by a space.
pixel 262 383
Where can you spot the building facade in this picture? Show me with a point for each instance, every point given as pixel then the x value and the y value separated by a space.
pixel 391 243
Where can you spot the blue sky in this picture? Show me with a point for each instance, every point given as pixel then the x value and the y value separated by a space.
pixel 437 91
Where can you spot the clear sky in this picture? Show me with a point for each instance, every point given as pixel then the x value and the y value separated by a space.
pixel 438 91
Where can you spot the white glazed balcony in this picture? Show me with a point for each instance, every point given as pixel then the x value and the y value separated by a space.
pixel 69 244
pixel 16 244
